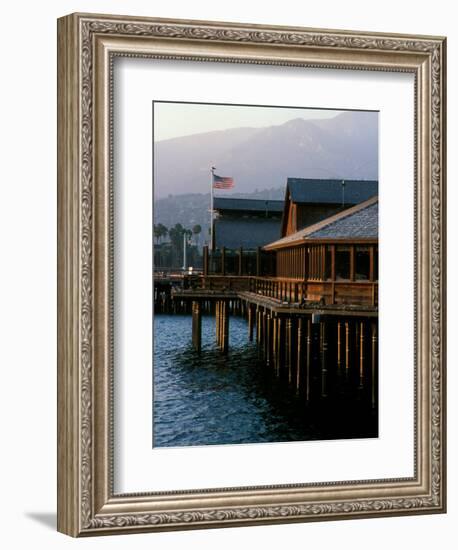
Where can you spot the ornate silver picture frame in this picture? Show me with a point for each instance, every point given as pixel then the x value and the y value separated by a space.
pixel 87 47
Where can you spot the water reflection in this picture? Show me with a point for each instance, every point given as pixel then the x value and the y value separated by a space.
pixel 210 398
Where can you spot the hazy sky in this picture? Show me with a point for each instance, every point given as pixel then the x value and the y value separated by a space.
pixel 183 119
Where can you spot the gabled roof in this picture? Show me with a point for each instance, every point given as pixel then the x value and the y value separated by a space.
pixel 360 221
pixel 248 205
pixel 330 191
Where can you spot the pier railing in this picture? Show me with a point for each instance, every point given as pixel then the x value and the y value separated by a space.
pixel 298 291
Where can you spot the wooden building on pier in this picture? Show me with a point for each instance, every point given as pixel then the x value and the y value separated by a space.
pixel 335 261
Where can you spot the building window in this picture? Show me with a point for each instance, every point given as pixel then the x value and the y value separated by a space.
pixel 342 263
pixel 362 263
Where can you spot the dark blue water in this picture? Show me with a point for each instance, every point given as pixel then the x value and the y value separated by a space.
pixel 210 398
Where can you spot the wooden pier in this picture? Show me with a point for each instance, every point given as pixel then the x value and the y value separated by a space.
pixel 297 341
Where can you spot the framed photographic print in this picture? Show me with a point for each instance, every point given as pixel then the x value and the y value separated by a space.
pixel 251 274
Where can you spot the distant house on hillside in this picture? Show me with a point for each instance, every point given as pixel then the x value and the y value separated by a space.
pixel 246 223
pixel 308 201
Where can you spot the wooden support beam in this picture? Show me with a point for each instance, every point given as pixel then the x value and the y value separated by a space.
pixel 268 339
pixel 324 356
pixel 280 346
pixel 250 322
pixel 225 331
pixel 217 304
pixel 196 325
pixel 274 341
pixel 339 348
pixel 300 353
pixel 347 347
pixel 374 362
pixel 240 261
pixel 258 261
pixel 308 359
pixel 263 332
pixel 289 349
pixel 361 354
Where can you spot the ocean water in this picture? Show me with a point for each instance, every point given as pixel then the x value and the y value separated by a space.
pixel 214 399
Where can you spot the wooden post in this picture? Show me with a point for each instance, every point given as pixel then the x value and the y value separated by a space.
pixel 221 324
pixel 308 356
pixel 300 353
pixel 240 261
pixel 361 355
pixel 289 348
pixel 217 322
pixel 374 361
pixel 323 350
pixel 250 322
pixel 268 339
pixel 196 325
pixel 347 347
pixel 263 334
pixel 339 346
pixel 225 323
pixel 274 341
pixel 280 346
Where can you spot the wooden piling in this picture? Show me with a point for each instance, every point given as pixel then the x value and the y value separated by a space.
pixel 268 339
pixel 196 325
pixel 289 348
pixel 323 355
pixel 250 322
pixel 225 327
pixel 374 360
pixel 280 346
pixel 300 353
pixel 274 341
pixel 308 358
pixel 217 322
pixel 361 355
pixel 339 346
pixel 347 347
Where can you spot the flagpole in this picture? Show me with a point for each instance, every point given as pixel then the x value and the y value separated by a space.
pixel 212 171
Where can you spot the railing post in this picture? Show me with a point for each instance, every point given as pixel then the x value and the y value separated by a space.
pixel 241 261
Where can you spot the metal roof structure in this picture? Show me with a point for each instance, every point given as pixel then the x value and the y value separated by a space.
pixel 360 221
pixel 330 191
pixel 248 205
pixel 245 232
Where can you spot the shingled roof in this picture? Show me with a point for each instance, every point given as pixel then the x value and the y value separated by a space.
pixel 360 221
pixel 248 205
pixel 329 191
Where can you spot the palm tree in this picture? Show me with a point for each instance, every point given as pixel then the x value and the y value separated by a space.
pixel 160 231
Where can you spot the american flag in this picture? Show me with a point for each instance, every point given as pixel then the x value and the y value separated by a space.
pixel 222 182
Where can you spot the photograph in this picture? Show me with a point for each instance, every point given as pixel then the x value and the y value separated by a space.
pixel 265 274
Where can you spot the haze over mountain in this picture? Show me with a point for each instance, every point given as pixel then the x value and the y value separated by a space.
pixel 345 146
